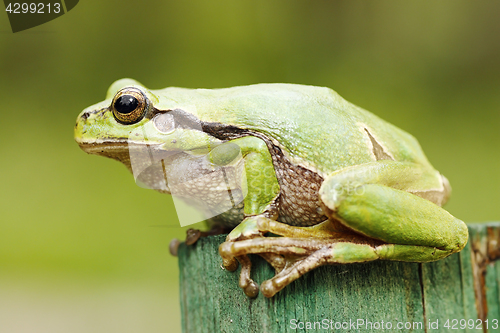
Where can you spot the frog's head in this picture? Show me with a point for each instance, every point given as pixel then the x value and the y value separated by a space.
pixel 133 118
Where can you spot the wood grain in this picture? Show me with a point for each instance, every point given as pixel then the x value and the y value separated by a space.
pixel 347 298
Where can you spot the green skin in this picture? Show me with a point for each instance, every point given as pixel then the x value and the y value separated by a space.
pixel 380 196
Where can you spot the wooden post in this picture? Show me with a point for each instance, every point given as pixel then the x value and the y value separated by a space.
pixel 373 297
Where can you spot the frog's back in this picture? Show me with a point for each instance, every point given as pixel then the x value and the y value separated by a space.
pixel 314 126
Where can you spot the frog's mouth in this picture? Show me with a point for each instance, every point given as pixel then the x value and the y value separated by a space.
pixel 119 151
pixel 106 149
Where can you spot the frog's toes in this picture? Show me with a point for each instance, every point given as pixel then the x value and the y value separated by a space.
pixel 192 236
pixel 231 264
pixel 228 260
pixel 174 246
pixel 277 261
pixel 270 287
pixel 248 285
pixel 251 290
pixel 292 271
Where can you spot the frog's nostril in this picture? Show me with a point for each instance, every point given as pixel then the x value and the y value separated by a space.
pixel 85 115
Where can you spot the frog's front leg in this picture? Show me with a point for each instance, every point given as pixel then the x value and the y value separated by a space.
pixel 262 190
pixel 252 228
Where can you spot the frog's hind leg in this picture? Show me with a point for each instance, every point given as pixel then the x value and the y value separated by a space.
pixel 304 254
pixel 346 253
pixel 381 210
pixel 248 238
pixel 336 253
pixel 393 216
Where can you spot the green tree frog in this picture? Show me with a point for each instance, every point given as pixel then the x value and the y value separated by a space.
pixel 324 181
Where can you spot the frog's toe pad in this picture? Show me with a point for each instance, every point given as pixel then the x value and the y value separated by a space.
pixel 174 246
pixel 267 288
pixel 252 289
pixel 192 236
pixel 226 251
pixel 230 264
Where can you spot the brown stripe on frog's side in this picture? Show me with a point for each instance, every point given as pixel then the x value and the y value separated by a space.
pixel 182 118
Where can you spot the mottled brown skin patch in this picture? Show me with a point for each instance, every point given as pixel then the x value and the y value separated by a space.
pixel 298 201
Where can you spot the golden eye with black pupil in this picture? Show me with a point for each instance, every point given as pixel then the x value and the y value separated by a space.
pixel 129 105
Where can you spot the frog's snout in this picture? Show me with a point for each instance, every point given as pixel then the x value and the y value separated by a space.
pixel 83 116
pixel 86 121
pixel 81 124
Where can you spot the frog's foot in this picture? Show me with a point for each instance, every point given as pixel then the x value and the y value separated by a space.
pixel 174 246
pixel 256 226
pixel 251 227
pixel 334 253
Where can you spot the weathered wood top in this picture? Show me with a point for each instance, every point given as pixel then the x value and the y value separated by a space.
pixel 461 289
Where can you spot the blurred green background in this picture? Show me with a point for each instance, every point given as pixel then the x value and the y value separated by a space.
pixel 80 250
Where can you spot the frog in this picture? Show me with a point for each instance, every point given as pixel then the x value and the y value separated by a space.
pixel 325 182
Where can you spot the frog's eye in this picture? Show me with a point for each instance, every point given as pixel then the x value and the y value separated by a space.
pixel 129 105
